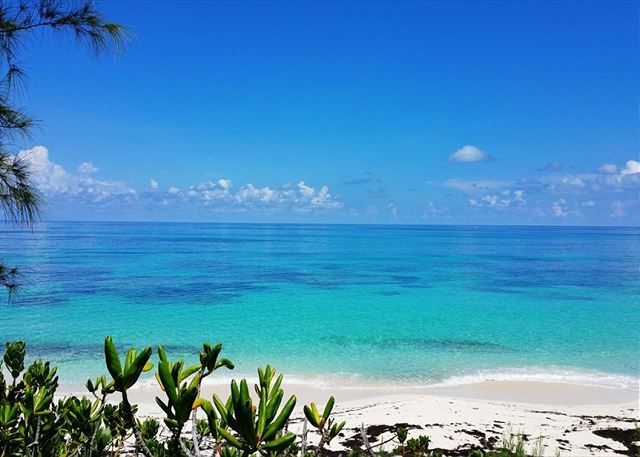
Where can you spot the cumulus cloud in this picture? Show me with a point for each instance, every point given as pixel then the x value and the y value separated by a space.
pixel 632 167
pixel 571 195
pixel 54 180
pixel 224 183
pixel 505 199
pixel 469 153
pixel 562 209
pixel 609 178
pixel 220 195
pixel 87 168
pixel 559 208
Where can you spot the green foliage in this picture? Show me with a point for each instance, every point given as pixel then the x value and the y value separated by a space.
pixel 401 433
pixel 258 428
pixel 14 358
pixel 134 365
pixel 327 427
pixel 32 424
pixel 413 447
pixel 419 445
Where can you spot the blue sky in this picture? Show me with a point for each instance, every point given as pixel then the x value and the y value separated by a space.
pixel 415 112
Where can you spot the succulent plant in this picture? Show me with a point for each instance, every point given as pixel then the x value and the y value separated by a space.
pixel 124 378
pixel 327 427
pixel 258 428
pixel 32 424
pixel 134 365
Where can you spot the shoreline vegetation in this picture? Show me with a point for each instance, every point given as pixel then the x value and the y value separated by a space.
pixel 181 416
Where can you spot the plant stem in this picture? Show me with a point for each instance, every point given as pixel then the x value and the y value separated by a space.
pixel 140 442
pixel 303 445
pixel 95 432
pixel 194 418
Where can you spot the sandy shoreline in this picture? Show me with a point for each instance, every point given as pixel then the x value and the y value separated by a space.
pixel 576 420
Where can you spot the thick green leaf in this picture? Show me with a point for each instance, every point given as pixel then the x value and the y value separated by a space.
pixel 279 444
pixel 282 418
pixel 311 417
pixel 112 359
pixel 328 408
pixel 135 368
pixel 188 372
pixel 232 440
pixel 167 381
pixel 262 415
pixel 274 404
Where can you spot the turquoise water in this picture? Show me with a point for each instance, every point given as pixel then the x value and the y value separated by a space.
pixel 410 304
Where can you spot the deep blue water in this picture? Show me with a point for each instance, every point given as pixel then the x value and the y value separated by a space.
pixel 420 304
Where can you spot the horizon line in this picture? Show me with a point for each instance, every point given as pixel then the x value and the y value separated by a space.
pixel 390 224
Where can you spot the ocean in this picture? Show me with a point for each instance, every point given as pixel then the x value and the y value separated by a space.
pixel 374 304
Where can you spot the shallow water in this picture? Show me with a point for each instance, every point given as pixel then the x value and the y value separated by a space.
pixel 414 304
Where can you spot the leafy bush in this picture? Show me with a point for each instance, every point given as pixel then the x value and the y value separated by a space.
pixel 33 424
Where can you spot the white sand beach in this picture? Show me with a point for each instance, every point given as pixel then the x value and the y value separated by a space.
pixel 573 420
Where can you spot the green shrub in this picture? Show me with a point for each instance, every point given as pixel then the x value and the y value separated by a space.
pixel 33 425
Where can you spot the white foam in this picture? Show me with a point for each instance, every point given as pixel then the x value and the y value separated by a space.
pixel 354 381
pixel 546 374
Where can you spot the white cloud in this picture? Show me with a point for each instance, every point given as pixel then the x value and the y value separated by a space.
pixel 589 204
pixel 505 199
pixel 559 208
pixel 87 168
pixel 469 153
pixel 322 199
pixel 224 183
pixel 608 168
pixel 518 197
pixel 562 209
pixel 573 181
pixel 609 178
pixel 301 197
pixel 305 190
pixel 631 167
pixel 54 180
pixel 62 187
